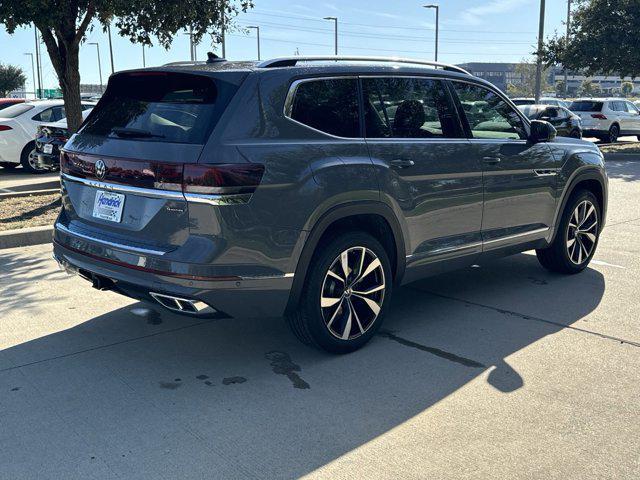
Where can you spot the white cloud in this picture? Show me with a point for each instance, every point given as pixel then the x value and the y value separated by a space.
pixel 473 15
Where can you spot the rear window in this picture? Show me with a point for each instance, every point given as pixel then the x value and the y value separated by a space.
pixel 15 110
pixel 585 106
pixel 161 107
pixel 532 112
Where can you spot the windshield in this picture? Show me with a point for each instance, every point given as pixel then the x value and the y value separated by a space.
pixel 160 106
pixel 15 110
pixel 585 106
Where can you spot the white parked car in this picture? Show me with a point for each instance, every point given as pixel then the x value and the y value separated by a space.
pixel 556 102
pixel 18 126
pixel 607 118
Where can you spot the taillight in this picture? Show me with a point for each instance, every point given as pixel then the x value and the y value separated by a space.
pixel 599 116
pixel 5 127
pixel 221 179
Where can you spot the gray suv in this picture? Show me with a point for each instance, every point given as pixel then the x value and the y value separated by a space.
pixel 310 187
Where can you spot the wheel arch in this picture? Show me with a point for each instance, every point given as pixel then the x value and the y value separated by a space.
pixel 374 217
pixel 591 180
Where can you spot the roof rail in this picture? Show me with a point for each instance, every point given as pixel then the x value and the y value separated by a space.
pixel 292 61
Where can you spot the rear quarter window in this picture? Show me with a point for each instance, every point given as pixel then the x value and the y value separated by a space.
pixel 327 105
pixel 160 106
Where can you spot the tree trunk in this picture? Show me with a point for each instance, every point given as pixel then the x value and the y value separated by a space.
pixel 70 85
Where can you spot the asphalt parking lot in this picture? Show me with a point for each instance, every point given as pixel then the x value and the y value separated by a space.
pixel 498 371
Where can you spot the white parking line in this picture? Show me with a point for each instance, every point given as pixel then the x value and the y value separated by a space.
pixel 605 264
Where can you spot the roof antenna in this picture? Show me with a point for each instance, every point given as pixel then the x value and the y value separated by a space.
pixel 213 58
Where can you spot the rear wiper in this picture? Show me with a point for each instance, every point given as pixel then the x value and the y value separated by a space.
pixel 134 133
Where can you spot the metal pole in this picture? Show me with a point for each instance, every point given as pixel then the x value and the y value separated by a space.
pixel 99 65
pixel 222 34
pixel 257 29
pixel 437 9
pixel 539 61
pixel 335 33
pixel 144 63
pixel 39 91
pixel 33 73
pixel 191 43
pixel 566 73
pixel 110 46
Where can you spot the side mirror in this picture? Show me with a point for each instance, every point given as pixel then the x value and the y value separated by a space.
pixel 542 131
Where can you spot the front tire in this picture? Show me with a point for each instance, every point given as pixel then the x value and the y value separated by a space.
pixel 577 236
pixel 346 292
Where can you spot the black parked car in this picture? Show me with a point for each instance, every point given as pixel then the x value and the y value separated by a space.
pixel 50 137
pixel 567 123
pixel 311 187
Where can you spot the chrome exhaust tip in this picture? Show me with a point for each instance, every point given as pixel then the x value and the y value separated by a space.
pixel 182 305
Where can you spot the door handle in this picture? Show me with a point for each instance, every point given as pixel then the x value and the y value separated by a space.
pixel 398 163
pixel 491 160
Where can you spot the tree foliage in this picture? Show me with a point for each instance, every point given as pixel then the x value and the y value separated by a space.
pixel 626 88
pixel 526 86
pixel 603 38
pixel 588 88
pixel 63 25
pixel 11 77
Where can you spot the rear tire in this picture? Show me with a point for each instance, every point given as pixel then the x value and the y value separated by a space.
pixel 577 237
pixel 8 165
pixel 340 310
pixel 27 161
pixel 614 133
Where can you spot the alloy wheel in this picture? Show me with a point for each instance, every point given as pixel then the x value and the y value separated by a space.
pixel 352 293
pixel 32 158
pixel 582 232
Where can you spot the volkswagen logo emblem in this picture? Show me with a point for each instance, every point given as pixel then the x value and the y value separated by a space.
pixel 101 169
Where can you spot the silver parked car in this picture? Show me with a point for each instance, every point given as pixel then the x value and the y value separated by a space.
pixel 607 118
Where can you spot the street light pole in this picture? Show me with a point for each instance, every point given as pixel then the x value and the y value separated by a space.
pixel 566 74
pixel 222 32
pixel 110 46
pixel 335 32
pixel 437 8
pixel 257 29
pixel 33 73
pixel 144 63
pixel 99 65
pixel 539 53
pixel 39 91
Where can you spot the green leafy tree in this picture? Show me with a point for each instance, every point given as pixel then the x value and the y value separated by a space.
pixel 11 77
pixel 525 83
pixel 626 88
pixel 63 25
pixel 589 88
pixel 603 38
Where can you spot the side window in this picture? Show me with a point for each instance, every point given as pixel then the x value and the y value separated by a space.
pixel 489 116
pixel 330 106
pixel 58 113
pixel 400 107
pixel 44 116
pixel 618 107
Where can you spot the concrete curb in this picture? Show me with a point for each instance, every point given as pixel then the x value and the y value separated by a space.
pixel 28 193
pixel 23 237
pixel 628 157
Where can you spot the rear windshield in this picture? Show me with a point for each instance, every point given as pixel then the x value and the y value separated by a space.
pixel 160 106
pixel 585 106
pixel 15 110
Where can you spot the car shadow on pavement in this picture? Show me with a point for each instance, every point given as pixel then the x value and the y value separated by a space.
pixel 142 393
pixel 629 171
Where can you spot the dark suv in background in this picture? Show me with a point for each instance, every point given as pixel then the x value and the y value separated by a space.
pixel 310 187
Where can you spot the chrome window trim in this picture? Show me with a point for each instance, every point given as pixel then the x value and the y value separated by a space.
pixel 114 187
pixel 119 246
pixel 288 103
pixel 517 235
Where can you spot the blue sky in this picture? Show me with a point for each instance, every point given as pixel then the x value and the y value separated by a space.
pixel 470 30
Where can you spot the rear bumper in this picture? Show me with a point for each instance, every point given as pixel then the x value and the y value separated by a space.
pixel 46 160
pixel 232 297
